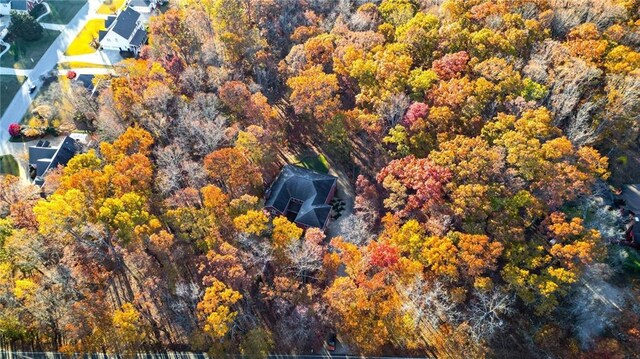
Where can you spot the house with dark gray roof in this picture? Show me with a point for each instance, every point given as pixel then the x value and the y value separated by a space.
pixel 302 195
pixel 6 6
pixel 124 32
pixel 44 157
pixel 630 197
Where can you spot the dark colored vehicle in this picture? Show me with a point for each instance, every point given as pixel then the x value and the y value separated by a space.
pixel 331 342
pixel 32 88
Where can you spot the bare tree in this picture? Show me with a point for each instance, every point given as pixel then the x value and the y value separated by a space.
pixel 352 228
pixel 487 311
pixel 258 252
pixel 393 109
pixel 305 257
pixel 193 80
pixel 169 160
pixel 200 126
pixel 570 13
pixel 428 301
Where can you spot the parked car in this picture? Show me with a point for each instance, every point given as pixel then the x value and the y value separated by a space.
pixel 32 86
pixel 331 342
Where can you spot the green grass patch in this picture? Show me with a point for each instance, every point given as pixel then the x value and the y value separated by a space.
pixel 9 165
pixel 26 54
pixel 81 45
pixel 110 7
pixel 317 163
pixel 9 86
pixel 632 261
pixel 62 11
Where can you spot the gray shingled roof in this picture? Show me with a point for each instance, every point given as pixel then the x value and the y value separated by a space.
pixel 139 3
pixel 631 196
pixel 109 21
pixel 139 38
pixel 19 5
pixel 126 22
pixel 306 186
pixel 46 158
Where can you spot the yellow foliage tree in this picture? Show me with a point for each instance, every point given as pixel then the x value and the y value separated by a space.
pixel 215 308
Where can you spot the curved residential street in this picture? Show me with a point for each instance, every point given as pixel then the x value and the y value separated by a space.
pixel 49 61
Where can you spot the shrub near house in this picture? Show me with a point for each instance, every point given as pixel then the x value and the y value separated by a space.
pixel 14 129
pixel 25 26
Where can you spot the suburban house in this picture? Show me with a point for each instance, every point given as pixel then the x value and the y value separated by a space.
pixel 145 6
pixel 302 195
pixel 631 197
pixel 124 32
pixel 6 6
pixel 43 157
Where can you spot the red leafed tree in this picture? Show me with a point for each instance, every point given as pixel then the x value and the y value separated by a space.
pixel 416 111
pixel 14 129
pixel 450 65
pixel 413 184
pixel 383 255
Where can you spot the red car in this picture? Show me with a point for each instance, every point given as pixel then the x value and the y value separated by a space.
pixel 331 343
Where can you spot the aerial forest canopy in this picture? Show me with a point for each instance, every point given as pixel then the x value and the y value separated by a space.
pixel 477 144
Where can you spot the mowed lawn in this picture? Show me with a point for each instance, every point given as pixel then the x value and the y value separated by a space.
pixel 26 54
pixel 62 11
pixel 9 86
pixel 81 45
pixel 316 162
pixel 9 165
pixel 110 7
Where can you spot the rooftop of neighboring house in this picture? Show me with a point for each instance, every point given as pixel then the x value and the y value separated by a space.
pixel 631 196
pixel 302 195
pixel 126 22
pixel 43 156
pixel 138 38
pixel 139 3
pixel 19 5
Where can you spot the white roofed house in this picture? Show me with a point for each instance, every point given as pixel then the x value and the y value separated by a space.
pixel 124 32
pixel 145 6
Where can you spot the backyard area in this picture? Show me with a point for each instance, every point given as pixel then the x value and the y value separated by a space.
pixel 313 161
pixel 9 165
pixel 110 7
pixel 25 54
pixel 9 86
pixel 62 11
pixel 81 45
